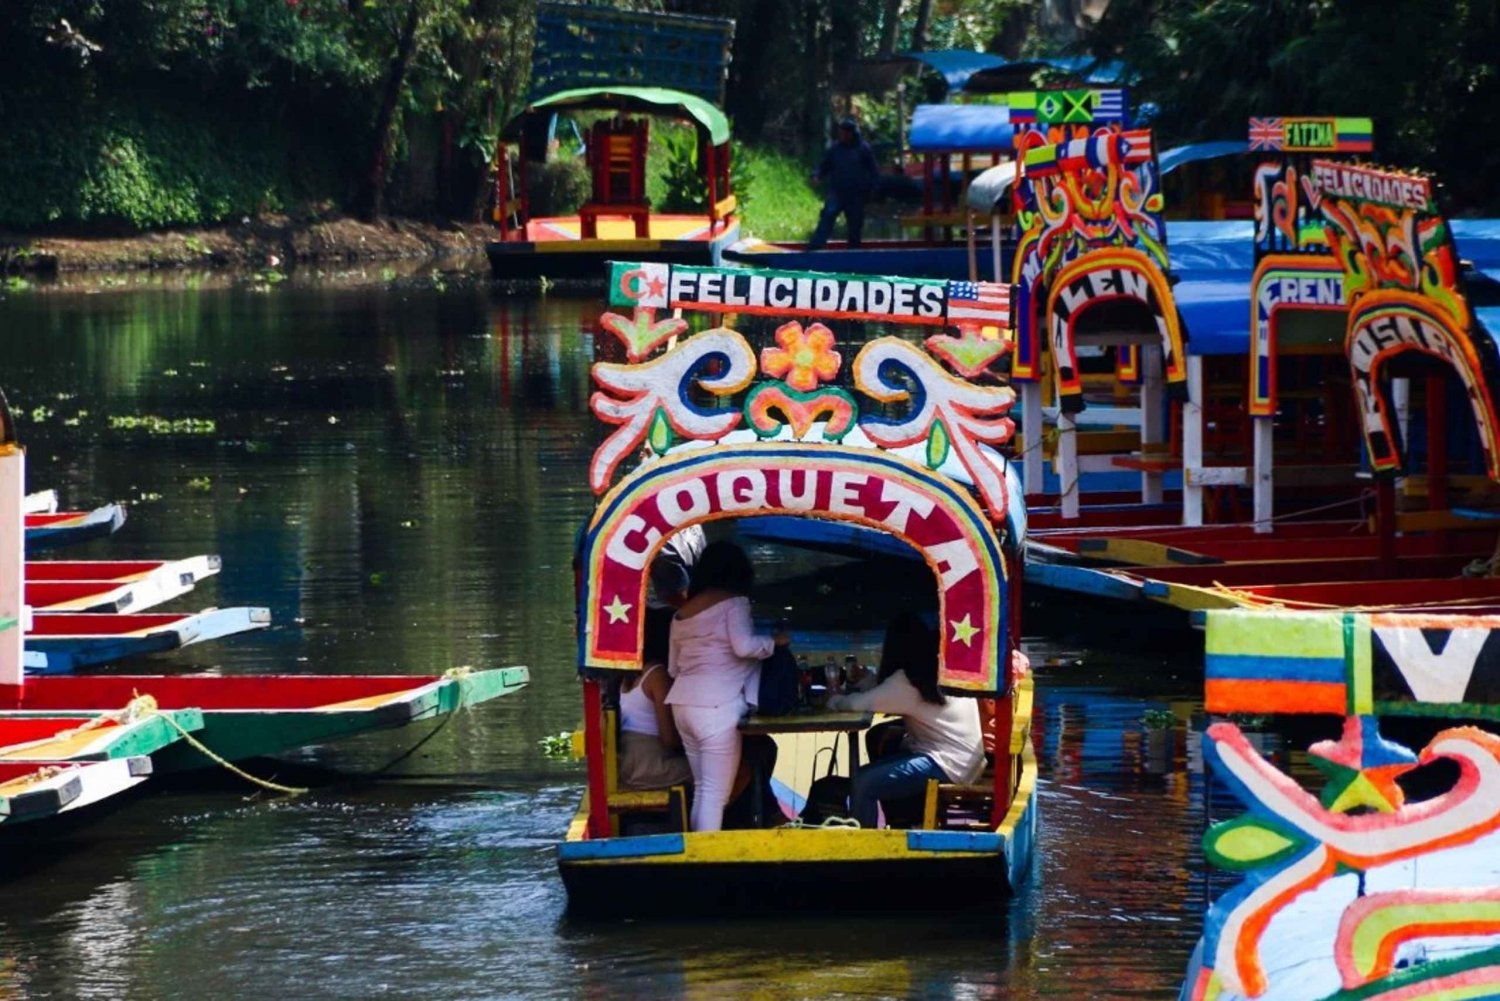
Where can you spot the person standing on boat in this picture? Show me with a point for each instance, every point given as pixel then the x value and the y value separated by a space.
pixel 714 660
pixel 942 740
pixel 851 175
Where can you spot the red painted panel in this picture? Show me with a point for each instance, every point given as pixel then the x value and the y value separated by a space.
pixel 101 623
pixel 262 691
pixel 22 729
pixel 88 569
pixel 57 518
pixel 42 594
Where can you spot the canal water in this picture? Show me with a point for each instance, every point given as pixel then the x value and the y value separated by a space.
pixel 397 471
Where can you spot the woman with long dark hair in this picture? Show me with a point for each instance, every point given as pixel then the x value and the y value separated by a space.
pixel 943 740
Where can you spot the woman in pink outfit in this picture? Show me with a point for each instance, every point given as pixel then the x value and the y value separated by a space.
pixel 714 660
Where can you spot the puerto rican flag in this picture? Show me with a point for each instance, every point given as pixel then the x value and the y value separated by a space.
pixel 979 302
pixel 1267 133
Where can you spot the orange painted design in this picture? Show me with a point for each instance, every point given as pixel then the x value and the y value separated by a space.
pixel 1253 696
pixel 805 357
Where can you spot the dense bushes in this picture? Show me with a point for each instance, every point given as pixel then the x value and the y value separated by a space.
pixel 142 167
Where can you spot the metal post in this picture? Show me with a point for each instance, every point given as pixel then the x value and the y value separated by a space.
pixel 1263 427
pixel 1033 473
pixel 1153 403
pixel 1192 443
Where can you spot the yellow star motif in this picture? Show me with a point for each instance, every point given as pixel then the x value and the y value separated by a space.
pixel 964 630
pixel 618 610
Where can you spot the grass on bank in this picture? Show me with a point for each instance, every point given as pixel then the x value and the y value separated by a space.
pixel 779 203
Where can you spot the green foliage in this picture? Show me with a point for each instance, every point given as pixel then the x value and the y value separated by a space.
pixel 557 187
pixel 1425 72
pixel 682 184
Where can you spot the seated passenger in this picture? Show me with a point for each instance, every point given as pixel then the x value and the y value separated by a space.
pixel 942 739
pixel 650 751
pixel 714 660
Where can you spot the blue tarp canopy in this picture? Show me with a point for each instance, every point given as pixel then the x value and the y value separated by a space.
pixel 1180 155
pixel 944 128
pixel 955 66
pixel 1086 68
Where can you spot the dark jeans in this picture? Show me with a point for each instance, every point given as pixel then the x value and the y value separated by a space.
pixel 902 777
pixel 853 211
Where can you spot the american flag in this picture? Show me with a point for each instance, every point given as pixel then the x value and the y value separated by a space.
pixel 981 302
pixel 1266 133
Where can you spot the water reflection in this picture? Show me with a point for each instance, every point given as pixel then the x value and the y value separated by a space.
pixel 399 474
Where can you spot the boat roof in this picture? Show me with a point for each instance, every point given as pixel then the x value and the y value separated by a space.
pixel 991 185
pixel 1179 156
pixel 956 66
pixel 960 128
pixel 649 100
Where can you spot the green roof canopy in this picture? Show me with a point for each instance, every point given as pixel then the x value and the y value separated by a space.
pixel 652 100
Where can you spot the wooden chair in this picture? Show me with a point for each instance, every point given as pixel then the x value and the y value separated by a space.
pixel 617 165
pixel 671 803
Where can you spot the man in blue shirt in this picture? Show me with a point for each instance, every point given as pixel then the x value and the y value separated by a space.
pixel 849 170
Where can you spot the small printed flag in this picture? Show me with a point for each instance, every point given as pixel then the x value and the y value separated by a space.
pixel 979 302
pixel 1109 106
pixel 1267 133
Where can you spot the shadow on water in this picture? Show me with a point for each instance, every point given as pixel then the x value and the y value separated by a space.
pixel 398 473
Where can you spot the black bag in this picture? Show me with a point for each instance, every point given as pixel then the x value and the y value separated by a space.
pixel 828 796
pixel 778 684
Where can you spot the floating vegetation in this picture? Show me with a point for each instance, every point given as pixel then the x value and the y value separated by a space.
pixel 40 414
pixel 202 483
pixel 558 745
pixel 152 424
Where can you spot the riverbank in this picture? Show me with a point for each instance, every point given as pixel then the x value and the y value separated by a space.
pixel 265 241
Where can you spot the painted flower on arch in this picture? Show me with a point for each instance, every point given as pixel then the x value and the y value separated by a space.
pixel 805 357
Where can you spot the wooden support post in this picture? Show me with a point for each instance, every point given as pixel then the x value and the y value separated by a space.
pixel 995 229
pixel 1153 418
pixel 1385 522
pixel 1066 463
pixel 593 750
pixel 971 238
pixel 1437 442
pixel 1261 485
pixel 712 176
pixel 13 613
pixel 1033 473
pixel 1192 443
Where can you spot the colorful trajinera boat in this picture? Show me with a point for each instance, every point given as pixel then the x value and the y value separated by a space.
pixel 1403 332
pixel 623 69
pixel 1368 889
pixel 951 142
pixel 741 423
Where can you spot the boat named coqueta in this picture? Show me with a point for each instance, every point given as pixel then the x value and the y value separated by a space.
pixel 769 419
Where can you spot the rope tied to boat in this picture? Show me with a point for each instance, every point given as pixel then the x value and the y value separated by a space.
pixel 208 752
pixel 828 824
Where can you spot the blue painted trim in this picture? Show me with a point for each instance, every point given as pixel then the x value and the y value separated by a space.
pixel 649 844
pixel 1256 667
pixel 1082 580
pixel 986 842
pixel 1155 589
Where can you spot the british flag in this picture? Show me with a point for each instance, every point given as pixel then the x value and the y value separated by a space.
pixel 979 302
pixel 1267 133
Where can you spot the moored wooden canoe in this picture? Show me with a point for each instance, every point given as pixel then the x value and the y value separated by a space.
pixel 112 585
pixel 64 642
pixel 253 716
pixel 65 528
